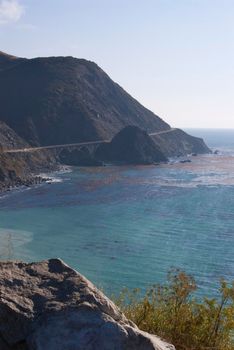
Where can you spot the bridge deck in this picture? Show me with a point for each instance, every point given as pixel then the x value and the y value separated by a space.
pixel 78 144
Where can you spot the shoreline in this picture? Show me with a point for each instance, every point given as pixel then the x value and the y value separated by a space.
pixel 44 176
pixel 20 183
pixel 39 178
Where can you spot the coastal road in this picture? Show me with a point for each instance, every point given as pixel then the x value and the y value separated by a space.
pixel 79 144
pixel 162 132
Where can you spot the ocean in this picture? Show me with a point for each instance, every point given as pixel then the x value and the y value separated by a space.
pixel 127 226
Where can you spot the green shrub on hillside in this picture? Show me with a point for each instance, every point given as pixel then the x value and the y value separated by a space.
pixel 173 313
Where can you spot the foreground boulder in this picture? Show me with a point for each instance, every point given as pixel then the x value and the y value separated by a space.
pixel 49 306
pixel 131 145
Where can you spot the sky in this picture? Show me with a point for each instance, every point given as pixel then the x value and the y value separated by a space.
pixel 174 56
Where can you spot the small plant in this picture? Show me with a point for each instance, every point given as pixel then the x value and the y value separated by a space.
pixel 173 313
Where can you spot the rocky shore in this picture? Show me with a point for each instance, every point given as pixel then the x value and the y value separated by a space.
pixel 24 182
pixel 131 145
pixel 48 305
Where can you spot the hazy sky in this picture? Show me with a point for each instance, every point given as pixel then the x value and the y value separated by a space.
pixel 175 56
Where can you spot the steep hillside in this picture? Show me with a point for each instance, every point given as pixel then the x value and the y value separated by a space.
pixel 58 100
pixel 18 168
pixel 179 143
pixel 9 61
pixel 64 99
pixel 9 139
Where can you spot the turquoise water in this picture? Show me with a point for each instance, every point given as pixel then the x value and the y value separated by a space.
pixel 126 226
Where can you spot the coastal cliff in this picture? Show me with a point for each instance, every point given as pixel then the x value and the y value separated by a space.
pixel 179 143
pixel 65 100
pixel 48 305
pixel 59 100
pixel 17 169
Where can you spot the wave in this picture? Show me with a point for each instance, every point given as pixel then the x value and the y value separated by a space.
pixel 56 176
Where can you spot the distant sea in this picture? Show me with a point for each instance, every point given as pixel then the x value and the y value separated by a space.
pixel 127 226
pixel 215 138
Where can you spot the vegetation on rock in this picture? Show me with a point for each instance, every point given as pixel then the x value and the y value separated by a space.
pixel 172 312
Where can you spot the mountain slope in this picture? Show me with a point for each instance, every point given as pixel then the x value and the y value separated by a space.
pixel 58 100
pixel 179 143
pixel 9 139
pixel 9 61
pixel 17 168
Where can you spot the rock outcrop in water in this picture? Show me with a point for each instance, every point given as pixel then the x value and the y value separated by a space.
pixel 131 146
pixel 49 306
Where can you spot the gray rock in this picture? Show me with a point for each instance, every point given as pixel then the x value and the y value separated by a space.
pixel 48 305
